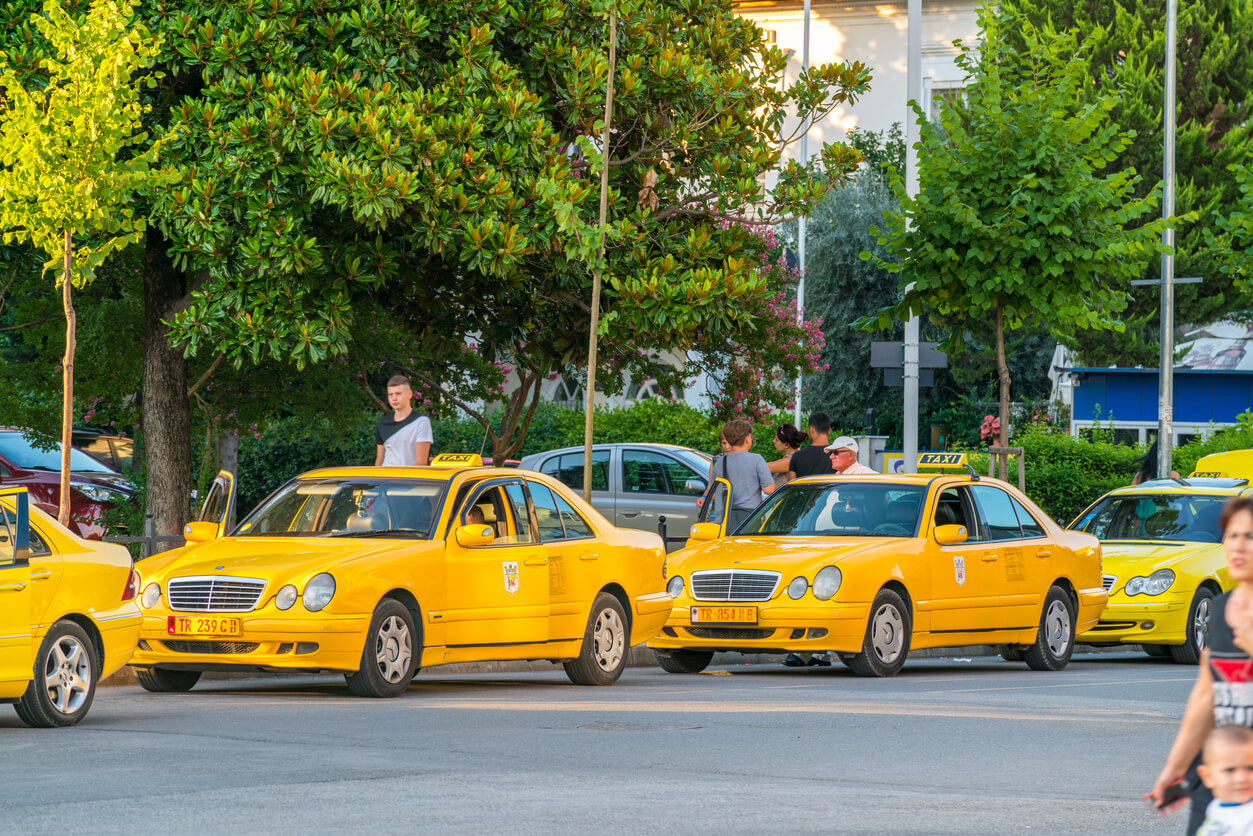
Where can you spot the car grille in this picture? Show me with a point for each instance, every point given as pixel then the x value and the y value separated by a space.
pixel 214 594
pixel 734 585
pixel 211 647
pixel 1108 582
pixel 735 633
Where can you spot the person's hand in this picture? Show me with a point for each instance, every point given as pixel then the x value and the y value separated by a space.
pixel 1168 778
pixel 700 502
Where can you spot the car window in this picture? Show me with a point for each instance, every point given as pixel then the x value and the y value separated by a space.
pixel 36 544
pixel 547 517
pixel 343 507
pixel 1030 525
pixel 521 516
pixel 997 512
pixel 839 509
pixel 98 447
pixel 568 469
pixel 1180 517
pixel 644 471
pixel 574 523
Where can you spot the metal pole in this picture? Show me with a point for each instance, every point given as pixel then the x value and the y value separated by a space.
pixel 600 257
pixel 1166 389
pixel 913 88
pixel 800 230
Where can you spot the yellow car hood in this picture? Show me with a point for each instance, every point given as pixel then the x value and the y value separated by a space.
pixel 277 558
pixel 776 553
pixel 1121 556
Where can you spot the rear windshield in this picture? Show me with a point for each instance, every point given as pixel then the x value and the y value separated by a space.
pixel 1179 517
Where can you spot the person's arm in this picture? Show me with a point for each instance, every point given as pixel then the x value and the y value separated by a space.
pixel 378 455
pixel 1198 720
pixel 782 465
pixel 764 479
pixel 422 453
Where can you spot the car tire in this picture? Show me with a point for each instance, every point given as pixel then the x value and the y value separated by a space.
pixel 888 632
pixel 1157 651
pixel 606 641
pixel 1011 653
pixel 1055 640
pixel 64 683
pixel 165 681
pixel 390 657
pixel 1189 653
pixel 683 661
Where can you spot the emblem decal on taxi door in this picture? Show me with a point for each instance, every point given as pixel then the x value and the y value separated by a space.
pixel 959 569
pixel 511 576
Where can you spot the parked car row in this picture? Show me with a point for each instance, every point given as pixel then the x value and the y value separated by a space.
pixel 373 572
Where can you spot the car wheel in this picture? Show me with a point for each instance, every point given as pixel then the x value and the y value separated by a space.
pixel 1055 640
pixel 65 679
pixel 1189 653
pixel 162 680
pixel 683 661
pixel 389 659
pixel 1011 653
pixel 887 638
pixel 1157 651
pixel 604 652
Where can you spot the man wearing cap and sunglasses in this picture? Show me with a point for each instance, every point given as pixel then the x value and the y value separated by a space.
pixel 843 453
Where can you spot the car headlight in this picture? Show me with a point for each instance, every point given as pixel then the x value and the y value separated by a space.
pixel 1154 584
pixel 827 582
pixel 318 592
pixel 675 587
pixel 98 493
pixel 151 596
pixel 288 595
pixel 797 587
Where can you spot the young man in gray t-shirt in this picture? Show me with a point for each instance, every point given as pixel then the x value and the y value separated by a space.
pixel 747 472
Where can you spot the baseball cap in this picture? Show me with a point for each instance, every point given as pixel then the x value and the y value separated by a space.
pixel 842 443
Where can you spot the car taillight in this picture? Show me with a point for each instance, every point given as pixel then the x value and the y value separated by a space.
pixel 132 586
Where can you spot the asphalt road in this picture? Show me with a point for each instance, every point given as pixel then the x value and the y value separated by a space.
pixel 949 746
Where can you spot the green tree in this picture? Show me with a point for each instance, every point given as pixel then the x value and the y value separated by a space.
pixel 1125 49
pixel 72 155
pixel 1234 243
pixel 1014 222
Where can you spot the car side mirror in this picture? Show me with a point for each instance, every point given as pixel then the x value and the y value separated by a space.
pixel 950 535
pixel 469 536
pixel 694 487
pixel 704 531
pixel 200 532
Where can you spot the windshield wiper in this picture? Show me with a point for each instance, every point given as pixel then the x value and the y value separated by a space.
pixel 378 532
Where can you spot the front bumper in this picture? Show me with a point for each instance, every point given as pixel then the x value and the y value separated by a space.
pixel 267 642
pixel 780 628
pixel 1140 620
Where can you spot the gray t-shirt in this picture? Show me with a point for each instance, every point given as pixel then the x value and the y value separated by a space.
pixel 748 474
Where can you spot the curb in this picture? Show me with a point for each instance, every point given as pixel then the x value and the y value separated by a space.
pixel 640 657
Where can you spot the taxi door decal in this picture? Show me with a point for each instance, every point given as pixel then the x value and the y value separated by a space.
pixel 959 568
pixel 510 568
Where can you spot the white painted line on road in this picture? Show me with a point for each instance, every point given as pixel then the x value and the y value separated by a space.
pixel 1059 685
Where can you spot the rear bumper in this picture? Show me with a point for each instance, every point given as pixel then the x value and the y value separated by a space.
pixel 651 612
pixel 119 632
pixel 779 628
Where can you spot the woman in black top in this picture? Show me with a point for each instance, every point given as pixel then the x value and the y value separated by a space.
pixel 1223 692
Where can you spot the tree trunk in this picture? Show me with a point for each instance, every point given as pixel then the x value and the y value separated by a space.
pixel 1002 372
pixel 67 384
pixel 166 410
pixel 515 419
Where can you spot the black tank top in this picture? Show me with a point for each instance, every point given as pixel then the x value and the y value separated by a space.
pixel 1232 669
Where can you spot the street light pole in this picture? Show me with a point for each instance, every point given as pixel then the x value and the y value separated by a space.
pixel 800 226
pixel 913 87
pixel 1166 388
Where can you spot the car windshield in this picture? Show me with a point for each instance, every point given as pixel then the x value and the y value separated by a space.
pixel 1187 517
pixel 23 454
pixel 347 508
pixel 839 509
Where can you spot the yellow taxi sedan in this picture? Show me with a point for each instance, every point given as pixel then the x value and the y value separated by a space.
pixel 375 571
pixel 68 615
pixel 871 567
pixel 1164 561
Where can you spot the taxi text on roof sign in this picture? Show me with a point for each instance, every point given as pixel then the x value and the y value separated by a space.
pixel 942 460
pixel 1206 474
pixel 457 460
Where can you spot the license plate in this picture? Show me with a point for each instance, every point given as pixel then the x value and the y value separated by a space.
pixel 203 625
pixel 724 615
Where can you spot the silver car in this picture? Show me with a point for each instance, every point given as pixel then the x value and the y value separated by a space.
pixel 635 485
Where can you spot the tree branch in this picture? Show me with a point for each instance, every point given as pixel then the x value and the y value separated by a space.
pixel 204 378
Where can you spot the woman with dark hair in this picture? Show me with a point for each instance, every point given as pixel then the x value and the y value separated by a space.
pixel 787 440
pixel 1223 693
pixel 1147 466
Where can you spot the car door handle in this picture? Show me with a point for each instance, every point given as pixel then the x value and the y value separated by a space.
pixel 989 556
pixel 41 575
pixel 536 561
pixel 630 514
pixel 12 587
pixel 1043 553
pixel 589 556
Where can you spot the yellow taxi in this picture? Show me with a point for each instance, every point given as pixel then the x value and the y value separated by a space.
pixel 375 571
pixel 1163 557
pixel 68 615
pixel 872 567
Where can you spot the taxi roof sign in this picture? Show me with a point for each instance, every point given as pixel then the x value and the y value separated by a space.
pixel 938 460
pixel 1237 464
pixel 454 460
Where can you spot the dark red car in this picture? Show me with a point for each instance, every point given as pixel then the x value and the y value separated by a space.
pixel 94 486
